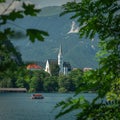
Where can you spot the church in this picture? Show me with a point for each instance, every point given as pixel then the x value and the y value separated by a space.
pixel 64 67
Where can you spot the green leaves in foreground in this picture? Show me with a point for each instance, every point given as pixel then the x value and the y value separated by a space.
pixel 36 34
pixel 30 9
pixel 71 105
pixel 2 1
pixel 84 110
pixel 99 18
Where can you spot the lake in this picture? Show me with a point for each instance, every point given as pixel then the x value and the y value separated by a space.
pixel 20 106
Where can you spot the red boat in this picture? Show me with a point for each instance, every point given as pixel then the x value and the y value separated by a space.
pixel 37 96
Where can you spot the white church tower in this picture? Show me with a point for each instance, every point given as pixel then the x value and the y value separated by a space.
pixel 60 60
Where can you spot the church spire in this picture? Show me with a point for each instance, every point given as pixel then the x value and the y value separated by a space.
pixel 60 59
pixel 60 50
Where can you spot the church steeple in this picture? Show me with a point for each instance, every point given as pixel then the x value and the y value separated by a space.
pixel 60 59
pixel 60 50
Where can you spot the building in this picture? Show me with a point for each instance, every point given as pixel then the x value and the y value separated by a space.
pixel 60 60
pixel 34 67
pixel 86 69
pixel 64 67
pixel 49 64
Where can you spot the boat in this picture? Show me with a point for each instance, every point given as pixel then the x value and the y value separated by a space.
pixel 37 96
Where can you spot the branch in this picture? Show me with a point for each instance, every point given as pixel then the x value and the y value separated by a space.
pixel 8 7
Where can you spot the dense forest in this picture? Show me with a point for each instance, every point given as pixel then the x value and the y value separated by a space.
pixel 41 81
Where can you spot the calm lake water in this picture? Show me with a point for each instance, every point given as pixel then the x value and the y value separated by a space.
pixel 20 106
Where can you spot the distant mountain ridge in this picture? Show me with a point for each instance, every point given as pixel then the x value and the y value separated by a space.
pixel 50 11
pixel 80 53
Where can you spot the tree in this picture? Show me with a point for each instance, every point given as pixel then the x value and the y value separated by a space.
pixel 76 76
pixel 98 18
pixel 21 75
pixel 10 58
pixel 65 84
pixel 21 83
pixel 50 84
pixel 36 82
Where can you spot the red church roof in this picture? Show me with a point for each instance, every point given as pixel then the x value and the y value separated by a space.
pixel 33 66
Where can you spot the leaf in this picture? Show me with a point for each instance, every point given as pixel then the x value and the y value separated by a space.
pixel 12 16
pixel 36 34
pixel 2 1
pixel 71 104
pixel 30 9
pixel 3 19
pixel 8 31
pixel 15 14
pixel 2 36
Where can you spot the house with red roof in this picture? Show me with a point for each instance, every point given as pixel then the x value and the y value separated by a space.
pixel 33 67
